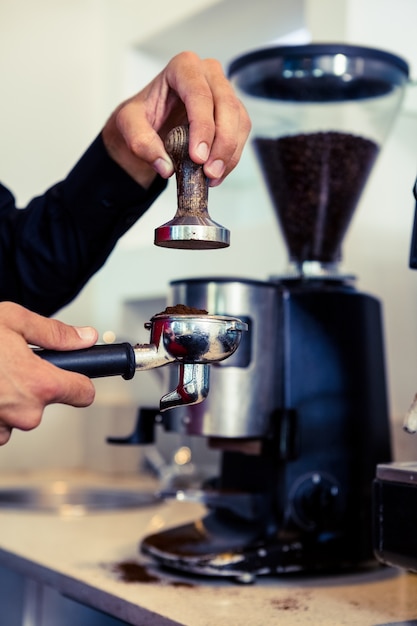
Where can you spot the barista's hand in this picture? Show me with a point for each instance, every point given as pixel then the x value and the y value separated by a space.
pixel 191 90
pixel 29 383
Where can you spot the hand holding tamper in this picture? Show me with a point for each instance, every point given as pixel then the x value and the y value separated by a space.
pixel 192 228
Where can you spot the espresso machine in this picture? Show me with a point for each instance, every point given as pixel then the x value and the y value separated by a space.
pixel 299 412
pixel 395 487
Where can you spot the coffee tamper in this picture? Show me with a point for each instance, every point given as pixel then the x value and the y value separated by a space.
pixel 192 228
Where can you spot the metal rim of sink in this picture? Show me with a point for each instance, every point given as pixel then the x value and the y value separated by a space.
pixel 65 499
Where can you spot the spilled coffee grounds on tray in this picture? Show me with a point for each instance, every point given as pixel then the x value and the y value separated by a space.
pixel 131 571
pixel 182 309
pixel 134 572
pixel 315 181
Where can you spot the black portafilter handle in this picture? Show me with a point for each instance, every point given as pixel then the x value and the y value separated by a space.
pixel 116 359
pixel 413 249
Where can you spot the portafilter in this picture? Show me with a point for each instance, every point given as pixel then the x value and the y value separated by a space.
pixel 192 341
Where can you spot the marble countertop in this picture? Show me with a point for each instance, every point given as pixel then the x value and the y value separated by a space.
pixel 95 559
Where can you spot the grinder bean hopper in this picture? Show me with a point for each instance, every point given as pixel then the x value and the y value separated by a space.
pixel 300 412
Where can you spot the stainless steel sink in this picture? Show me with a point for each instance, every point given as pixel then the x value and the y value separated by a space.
pixel 63 498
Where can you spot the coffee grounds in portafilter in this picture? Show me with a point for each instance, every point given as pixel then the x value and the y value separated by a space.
pixel 315 181
pixel 182 309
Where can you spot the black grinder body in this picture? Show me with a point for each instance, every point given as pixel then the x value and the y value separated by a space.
pixel 329 430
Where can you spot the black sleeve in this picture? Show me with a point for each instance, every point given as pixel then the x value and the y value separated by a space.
pixel 50 249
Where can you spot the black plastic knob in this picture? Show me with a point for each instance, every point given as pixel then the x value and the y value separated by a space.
pixel 316 502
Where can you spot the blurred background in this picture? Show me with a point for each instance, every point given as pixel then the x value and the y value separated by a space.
pixel 65 64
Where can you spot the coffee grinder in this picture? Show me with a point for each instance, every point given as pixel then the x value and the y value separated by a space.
pixel 300 411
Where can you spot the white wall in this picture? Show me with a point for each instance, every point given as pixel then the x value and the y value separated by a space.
pixel 65 63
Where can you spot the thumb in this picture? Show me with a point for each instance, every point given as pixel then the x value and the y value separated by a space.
pixel 45 332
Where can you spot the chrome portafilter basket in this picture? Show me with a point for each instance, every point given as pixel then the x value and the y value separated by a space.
pixel 192 341
pixel 198 339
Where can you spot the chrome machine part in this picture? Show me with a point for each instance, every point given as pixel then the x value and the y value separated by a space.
pixel 195 339
pixel 69 499
pixel 192 388
pixel 241 399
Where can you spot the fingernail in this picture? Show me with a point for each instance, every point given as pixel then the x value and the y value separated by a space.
pixel 86 333
pixel 203 151
pixel 163 167
pixel 215 169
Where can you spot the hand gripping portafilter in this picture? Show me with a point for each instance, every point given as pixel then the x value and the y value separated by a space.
pixel 192 228
pixel 192 341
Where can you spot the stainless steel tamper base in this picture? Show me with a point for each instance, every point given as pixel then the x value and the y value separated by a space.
pixel 192 233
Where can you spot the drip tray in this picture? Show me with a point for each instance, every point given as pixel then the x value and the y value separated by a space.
pixel 63 498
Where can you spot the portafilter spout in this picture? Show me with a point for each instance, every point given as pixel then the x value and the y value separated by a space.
pixel 193 341
pixel 191 228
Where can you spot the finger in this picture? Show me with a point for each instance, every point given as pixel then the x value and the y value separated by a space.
pixel 5 433
pixel 45 332
pixel 143 141
pixel 23 403
pixel 219 123
pixel 227 147
pixel 232 127
pixel 186 75
pixel 61 386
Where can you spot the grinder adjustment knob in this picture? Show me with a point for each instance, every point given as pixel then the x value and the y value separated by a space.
pixel 316 502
